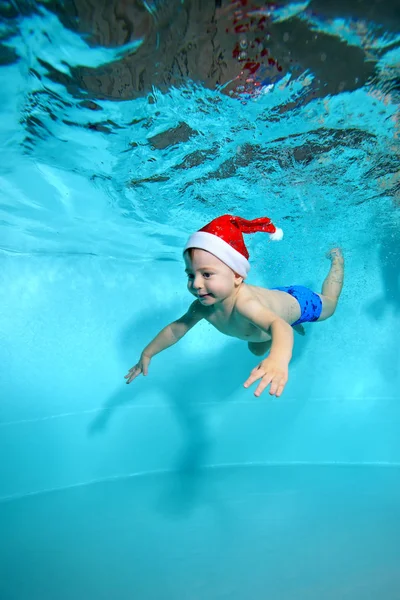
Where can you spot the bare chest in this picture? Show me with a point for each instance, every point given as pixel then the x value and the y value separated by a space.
pixel 238 327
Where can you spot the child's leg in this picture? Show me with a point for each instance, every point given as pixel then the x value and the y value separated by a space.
pixel 259 348
pixel 332 286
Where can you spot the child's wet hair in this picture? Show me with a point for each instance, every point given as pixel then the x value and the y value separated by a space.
pixel 190 252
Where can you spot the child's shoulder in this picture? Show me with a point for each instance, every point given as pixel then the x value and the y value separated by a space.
pixel 253 292
pixel 255 289
pixel 251 296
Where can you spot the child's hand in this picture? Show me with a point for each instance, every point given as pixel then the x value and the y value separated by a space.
pixel 140 367
pixel 271 372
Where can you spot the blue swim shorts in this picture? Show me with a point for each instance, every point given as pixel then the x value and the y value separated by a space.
pixel 310 302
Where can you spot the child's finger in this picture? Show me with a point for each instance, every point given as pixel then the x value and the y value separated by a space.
pixel 277 386
pixel 133 373
pixel 132 377
pixel 265 381
pixel 255 374
pixel 130 371
pixel 253 377
pixel 280 390
pixel 276 382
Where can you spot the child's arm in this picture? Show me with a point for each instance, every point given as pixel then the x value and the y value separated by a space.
pixel 168 336
pixel 273 369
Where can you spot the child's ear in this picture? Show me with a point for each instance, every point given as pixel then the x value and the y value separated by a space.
pixel 238 279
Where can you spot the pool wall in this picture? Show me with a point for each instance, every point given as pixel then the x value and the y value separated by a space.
pixel 72 325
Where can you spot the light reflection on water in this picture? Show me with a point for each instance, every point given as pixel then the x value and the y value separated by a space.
pixel 149 116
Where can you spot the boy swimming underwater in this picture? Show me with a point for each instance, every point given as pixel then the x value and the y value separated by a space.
pixel 216 260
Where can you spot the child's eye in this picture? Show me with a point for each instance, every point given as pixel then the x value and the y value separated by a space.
pixel 207 275
pixel 190 276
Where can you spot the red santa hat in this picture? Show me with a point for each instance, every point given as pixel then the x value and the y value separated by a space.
pixel 223 237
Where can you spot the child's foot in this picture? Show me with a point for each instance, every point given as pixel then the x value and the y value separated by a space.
pixel 336 255
pixel 300 329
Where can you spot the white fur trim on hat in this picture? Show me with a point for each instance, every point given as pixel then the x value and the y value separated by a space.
pixel 221 249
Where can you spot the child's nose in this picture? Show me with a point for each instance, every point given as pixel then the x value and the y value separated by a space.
pixel 197 282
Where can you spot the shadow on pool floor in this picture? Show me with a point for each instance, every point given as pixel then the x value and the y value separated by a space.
pixel 255 532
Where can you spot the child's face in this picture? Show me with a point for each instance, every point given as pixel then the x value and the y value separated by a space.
pixel 209 279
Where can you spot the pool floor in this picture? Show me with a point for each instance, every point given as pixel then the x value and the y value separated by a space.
pixel 238 533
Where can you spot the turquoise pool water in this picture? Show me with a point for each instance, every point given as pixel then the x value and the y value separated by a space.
pixel 125 127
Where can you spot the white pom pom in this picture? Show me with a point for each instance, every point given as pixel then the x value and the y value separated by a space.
pixel 277 235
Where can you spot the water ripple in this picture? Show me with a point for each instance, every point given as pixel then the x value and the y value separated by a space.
pixel 143 117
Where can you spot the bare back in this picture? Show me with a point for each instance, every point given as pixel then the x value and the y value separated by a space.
pixel 281 303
